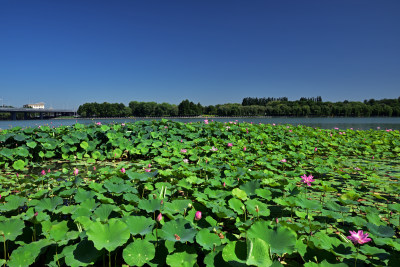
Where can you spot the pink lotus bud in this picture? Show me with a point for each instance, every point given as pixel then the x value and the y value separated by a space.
pixel 159 217
pixel 43 172
pixel 123 170
pixel 94 168
pixel 183 150
pixel 198 215
pixel 224 184
pixel 48 171
pixel 148 166
pixel 162 202
pixel 230 145
pixel 283 160
pixel 262 142
pixel 76 171
pixel 36 214
pixel 206 121
pixel 17 174
pixel 315 149
pixel 244 148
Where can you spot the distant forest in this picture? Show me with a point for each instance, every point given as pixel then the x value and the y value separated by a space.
pixel 250 106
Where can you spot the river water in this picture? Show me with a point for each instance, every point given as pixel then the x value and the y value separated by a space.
pixel 324 123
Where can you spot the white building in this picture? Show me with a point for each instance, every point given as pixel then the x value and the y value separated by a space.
pixel 39 105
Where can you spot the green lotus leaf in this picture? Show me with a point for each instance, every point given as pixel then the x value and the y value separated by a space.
pixel 150 205
pixel 381 231
pixel 109 236
pixel 89 204
pixel 183 259
pixel 139 252
pixel 258 252
pixel 23 152
pixel 58 231
pixel 281 240
pixel 239 193
pixel 250 187
pixel 82 254
pixel 176 206
pixel 31 144
pixel 19 165
pixel 11 229
pixel 264 193
pixel 84 145
pixel 235 253
pixel 309 204
pixel 178 230
pixel 324 263
pixel 252 205
pixel 13 203
pixel 49 204
pixel 83 195
pixel 236 205
pixel 116 188
pixel 26 255
pixel 139 225
pixel 104 211
pixel 207 240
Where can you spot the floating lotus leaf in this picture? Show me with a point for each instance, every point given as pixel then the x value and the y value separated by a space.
pixel 26 255
pixel 13 203
pixel 235 253
pixel 183 259
pixel 109 236
pixel 11 229
pixel 82 254
pixel 139 252
pixel 177 206
pixel 281 240
pixel 19 165
pixel 324 263
pixel 381 231
pixel 139 225
pixel 178 230
pixel 150 205
pixel 236 205
pixel 83 195
pixel 251 187
pixel 258 252
pixel 49 204
pixel 239 193
pixel 58 231
pixel 104 211
pixel 207 240
pixel 253 205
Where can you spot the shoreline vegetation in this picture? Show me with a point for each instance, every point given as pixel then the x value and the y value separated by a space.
pixel 250 107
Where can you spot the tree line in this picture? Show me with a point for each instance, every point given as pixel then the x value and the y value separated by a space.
pixel 313 106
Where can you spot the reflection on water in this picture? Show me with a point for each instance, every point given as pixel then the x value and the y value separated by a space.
pixel 325 123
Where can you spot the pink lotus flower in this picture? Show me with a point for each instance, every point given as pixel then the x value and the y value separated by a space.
pixel 214 149
pixel 159 217
pixel 261 142
pixel 244 148
pixel 206 121
pixel 359 237
pixel 123 170
pixel 307 179
pixel 186 160
pixel 198 215
pixel 122 124
pixel 98 123
pixel 43 172
pixel 147 170
pixel 76 171
pixel 230 145
pixel 183 150
pixel 149 166
pixel 283 160
pixel 94 168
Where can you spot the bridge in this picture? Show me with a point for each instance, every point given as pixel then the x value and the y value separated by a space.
pixel 55 112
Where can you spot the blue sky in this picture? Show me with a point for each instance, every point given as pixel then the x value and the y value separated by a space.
pixel 66 53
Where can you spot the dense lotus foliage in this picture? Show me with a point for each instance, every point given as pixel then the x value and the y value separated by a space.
pixel 199 194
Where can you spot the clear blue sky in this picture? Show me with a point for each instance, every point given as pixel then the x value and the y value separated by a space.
pixel 66 53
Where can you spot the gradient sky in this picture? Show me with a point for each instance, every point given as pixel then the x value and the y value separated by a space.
pixel 66 53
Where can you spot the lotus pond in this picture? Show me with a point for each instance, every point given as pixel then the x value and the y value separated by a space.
pixel 164 193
